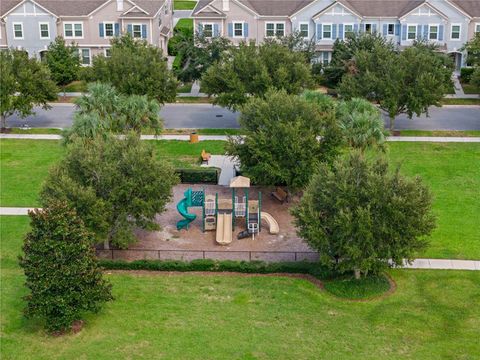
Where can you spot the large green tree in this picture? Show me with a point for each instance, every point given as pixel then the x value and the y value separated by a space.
pixel 359 215
pixel 24 83
pixel 251 70
pixel 61 270
pixel 472 48
pixel 104 110
pixel 406 82
pixel 63 62
pixel 136 68
pixel 115 185
pixel 282 144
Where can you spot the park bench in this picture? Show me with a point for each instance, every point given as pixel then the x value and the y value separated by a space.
pixel 205 156
pixel 280 194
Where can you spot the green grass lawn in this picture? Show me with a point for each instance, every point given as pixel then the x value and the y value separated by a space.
pixel 25 163
pixel 460 102
pixel 470 89
pixel 184 4
pixel 185 88
pixel 432 315
pixel 184 25
pixel 76 86
pixel 447 133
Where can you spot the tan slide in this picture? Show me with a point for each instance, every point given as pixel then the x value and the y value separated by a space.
pixel 272 223
pixel 224 229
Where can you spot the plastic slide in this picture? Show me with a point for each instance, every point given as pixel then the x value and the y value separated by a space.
pixel 183 210
pixel 272 223
pixel 224 229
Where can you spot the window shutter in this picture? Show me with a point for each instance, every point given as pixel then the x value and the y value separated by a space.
pixel 130 29
pixel 385 29
pixel 397 29
pixel 404 32
pixel 340 31
pixel 144 31
pixel 230 29
pixel 374 28
pixel 100 30
pixel 319 32
pixel 419 32
pixel 363 27
pixel 117 29
pixel 334 31
pixel 216 33
pixel 355 28
pixel 245 30
pixel 440 33
pixel 200 29
pixel 425 31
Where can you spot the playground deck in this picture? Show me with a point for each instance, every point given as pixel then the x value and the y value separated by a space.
pixel 169 238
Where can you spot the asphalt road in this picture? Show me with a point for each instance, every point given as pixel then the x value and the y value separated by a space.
pixel 208 116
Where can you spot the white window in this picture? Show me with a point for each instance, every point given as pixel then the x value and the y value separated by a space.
pixel 274 29
pixel 137 31
pixel 85 58
pixel 412 32
pixel 107 52
pixel 208 30
pixel 18 31
pixel 44 31
pixel 368 28
pixel 108 29
pixel 391 29
pixel 325 57
pixel 433 32
pixel 238 29
pixel 304 30
pixel 73 30
pixel 477 28
pixel 327 31
pixel 455 34
pixel 347 30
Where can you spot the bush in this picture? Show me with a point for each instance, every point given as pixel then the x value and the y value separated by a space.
pixel 172 45
pixel 86 74
pixel 203 175
pixel 249 267
pixel 466 74
pixel 177 63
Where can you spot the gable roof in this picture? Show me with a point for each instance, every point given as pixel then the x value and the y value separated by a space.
pixel 80 7
pixel 471 7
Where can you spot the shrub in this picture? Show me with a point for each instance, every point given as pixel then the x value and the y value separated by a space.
pixel 203 175
pixel 466 74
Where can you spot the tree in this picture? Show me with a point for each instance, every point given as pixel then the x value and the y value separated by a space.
pixel 362 124
pixel 472 48
pixel 249 71
pixel 281 144
pixel 24 83
pixel 358 215
pixel 475 79
pixel 344 52
pixel 115 185
pixel 104 110
pixel 63 62
pixel 61 269
pixel 136 68
pixel 408 82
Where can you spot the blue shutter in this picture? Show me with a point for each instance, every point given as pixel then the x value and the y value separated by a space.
pixel 100 30
pixel 419 32
pixel 216 32
pixel 374 28
pixel 117 29
pixel 355 28
pixel 334 31
pixel 130 29
pixel 425 31
pixel 245 30
pixel 319 32
pixel 404 32
pixel 385 29
pixel 397 29
pixel 144 31
pixel 200 29
pixel 363 27
pixel 440 33
pixel 230 29
pixel 340 31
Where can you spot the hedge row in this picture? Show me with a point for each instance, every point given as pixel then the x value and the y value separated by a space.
pixel 249 267
pixel 466 74
pixel 202 175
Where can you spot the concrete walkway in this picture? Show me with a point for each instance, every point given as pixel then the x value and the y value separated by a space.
pixel 444 139
pixel 457 85
pixel 426 264
pixel 227 166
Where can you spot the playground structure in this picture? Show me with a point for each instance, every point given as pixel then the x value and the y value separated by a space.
pixel 220 214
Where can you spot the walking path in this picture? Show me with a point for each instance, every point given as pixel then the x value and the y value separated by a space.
pixel 227 166
pixel 443 139
pixel 432 264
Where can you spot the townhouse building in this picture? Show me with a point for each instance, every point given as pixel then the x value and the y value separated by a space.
pixel 448 23
pixel 32 25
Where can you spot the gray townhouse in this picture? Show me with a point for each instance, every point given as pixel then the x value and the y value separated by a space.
pixel 31 25
pixel 448 23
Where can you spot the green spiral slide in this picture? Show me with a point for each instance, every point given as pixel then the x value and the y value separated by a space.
pixel 182 208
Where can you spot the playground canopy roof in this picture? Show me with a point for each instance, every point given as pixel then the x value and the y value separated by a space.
pixel 240 182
